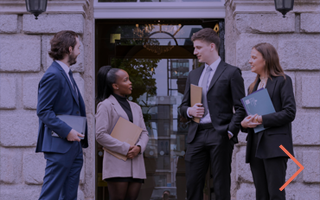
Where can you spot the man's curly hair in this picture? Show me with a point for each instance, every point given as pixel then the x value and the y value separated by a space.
pixel 60 44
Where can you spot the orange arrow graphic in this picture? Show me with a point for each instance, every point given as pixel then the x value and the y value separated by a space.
pixel 297 172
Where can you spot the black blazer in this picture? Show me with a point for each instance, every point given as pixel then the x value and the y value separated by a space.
pixel 281 93
pixel 224 93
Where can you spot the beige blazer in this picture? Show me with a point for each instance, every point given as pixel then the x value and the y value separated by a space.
pixel 108 112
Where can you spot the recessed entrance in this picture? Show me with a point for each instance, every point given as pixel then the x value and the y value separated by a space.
pixel 158 55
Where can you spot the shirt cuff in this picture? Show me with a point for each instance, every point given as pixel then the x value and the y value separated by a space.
pixel 188 113
pixel 230 133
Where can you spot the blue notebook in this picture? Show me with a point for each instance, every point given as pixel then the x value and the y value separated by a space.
pixel 258 102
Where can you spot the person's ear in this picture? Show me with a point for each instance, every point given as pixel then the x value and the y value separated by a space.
pixel 212 46
pixel 70 50
pixel 115 86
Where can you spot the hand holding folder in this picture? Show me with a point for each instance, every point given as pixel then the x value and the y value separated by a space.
pixel 125 131
pixel 196 97
pixel 77 123
pixel 258 102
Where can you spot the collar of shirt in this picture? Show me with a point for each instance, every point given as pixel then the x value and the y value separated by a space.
pixel 214 65
pixel 65 68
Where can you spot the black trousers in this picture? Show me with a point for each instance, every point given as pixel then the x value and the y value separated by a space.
pixel 214 148
pixel 268 175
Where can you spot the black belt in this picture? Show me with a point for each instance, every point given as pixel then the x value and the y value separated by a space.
pixel 204 126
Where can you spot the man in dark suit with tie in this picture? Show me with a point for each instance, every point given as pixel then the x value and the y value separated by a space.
pixel 211 141
pixel 58 94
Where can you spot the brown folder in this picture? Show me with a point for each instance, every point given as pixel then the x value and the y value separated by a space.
pixel 195 96
pixel 125 131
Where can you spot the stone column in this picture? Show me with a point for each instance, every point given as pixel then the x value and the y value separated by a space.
pixel 24 45
pixel 297 40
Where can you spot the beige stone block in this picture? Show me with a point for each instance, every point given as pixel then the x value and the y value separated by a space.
pixel 242 138
pixel 248 78
pixel 53 23
pixel 30 92
pixel 80 195
pixel 310 22
pixel 47 61
pixel 245 44
pixel 8 23
pixel 243 168
pixel 310 91
pixel 20 53
pixel 9 166
pixel 311 163
pixel 308 194
pixel 292 75
pixel 80 83
pixel 292 167
pixel 20 192
pixel 305 128
pixel 265 23
pixel 8 92
pixel 246 192
pixel 299 53
pixel 34 168
pixel 18 129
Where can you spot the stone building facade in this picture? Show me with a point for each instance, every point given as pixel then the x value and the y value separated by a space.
pixel 24 44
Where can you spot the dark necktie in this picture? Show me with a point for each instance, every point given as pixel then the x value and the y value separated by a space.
pixel 204 85
pixel 73 84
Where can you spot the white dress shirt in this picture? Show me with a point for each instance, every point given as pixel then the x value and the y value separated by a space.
pixel 66 69
pixel 214 66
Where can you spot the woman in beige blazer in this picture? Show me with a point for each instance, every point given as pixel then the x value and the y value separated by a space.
pixel 124 178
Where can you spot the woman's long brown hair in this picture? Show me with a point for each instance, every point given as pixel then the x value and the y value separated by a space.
pixel 272 67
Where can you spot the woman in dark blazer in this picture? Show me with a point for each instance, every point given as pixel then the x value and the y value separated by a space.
pixel 268 162
pixel 124 178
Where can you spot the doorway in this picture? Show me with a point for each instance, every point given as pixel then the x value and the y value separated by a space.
pixel 158 55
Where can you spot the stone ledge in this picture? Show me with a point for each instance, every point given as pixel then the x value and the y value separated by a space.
pixel 20 53
pixel 260 23
pixel 65 6
pixel 43 25
pixel 8 23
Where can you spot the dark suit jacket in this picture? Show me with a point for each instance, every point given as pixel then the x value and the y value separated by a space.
pixel 281 93
pixel 56 96
pixel 224 93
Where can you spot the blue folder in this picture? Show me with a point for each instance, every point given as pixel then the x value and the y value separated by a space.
pixel 258 102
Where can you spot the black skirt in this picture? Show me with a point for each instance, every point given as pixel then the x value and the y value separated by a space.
pixel 124 179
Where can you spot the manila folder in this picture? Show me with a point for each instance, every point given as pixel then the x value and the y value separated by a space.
pixel 125 131
pixel 195 96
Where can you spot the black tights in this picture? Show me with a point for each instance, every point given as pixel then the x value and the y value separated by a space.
pixel 123 190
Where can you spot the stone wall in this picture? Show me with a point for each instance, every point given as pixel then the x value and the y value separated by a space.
pixel 24 45
pixel 297 40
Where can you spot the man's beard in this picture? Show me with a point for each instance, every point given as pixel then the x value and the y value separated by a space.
pixel 72 59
